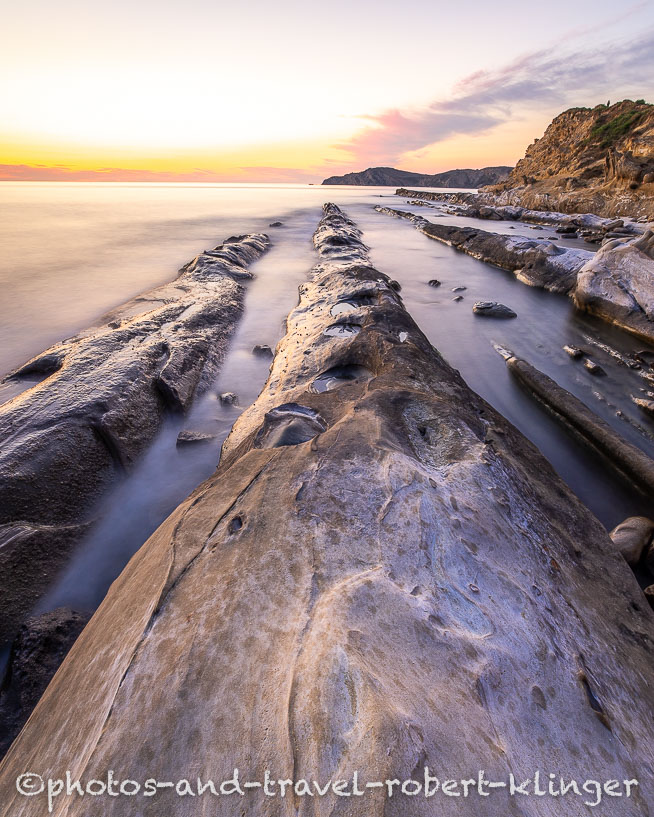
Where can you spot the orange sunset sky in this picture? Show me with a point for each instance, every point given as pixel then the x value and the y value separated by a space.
pixel 294 91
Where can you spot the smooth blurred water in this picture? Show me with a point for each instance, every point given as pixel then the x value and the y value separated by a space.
pixel 79 250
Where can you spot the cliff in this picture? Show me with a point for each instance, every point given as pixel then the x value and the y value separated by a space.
pixel 598 160
pixel 390 177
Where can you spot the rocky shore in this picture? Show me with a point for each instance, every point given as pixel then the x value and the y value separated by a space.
pixel 615 283
pixel 382 575
pixel 92 404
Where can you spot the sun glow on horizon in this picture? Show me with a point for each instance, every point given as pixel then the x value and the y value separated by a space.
pixel 226 93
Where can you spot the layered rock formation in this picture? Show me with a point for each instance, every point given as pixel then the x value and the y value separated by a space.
pixel 537 263
pixel 100 398
pixel 599 160
pixel 593 228
pixel 616 283
pixel 383 575
pixel 390 177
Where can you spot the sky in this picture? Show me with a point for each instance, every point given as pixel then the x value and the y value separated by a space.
pixel 296 90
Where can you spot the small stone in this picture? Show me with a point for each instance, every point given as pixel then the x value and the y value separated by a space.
pixel 189 437
pixel 228 398
pixel 458 289
pixel 570 235
pixel 649 595
pixel 632 536
pixel 566 229
pixel 434 282
pixel 493 309
pixel 457 298
pixel 262 350
pixel 574 351
pixel 276 224
pixel 644 404
pixel 593 368
pixel 395 285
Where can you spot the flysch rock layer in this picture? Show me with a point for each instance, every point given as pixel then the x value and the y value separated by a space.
pixel 487 206
pixel 101 398
pixel 382 575
pixel 616 283
pixel 537 263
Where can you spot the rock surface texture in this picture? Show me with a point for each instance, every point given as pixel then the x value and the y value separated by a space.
pixel 382 575
pixel 537 263
pixel 101 398
pixel 38 650
pixel 618 285
pixel 596 159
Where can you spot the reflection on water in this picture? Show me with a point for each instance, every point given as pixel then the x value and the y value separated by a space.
pixel 145 234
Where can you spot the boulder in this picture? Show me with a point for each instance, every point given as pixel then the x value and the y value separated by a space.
pixel 262 350
pixel 493 309
pixel 408 586
pixel 189 437
pixel 632 537
pixel 592 367
pixel 228 398
pixel 616 284
pixel 101 398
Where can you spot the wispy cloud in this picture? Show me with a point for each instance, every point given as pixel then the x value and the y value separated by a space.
pixel 547 79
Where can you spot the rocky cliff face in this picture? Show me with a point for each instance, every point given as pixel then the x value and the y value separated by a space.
pixel 598 160
pixel 383 575
pixel 390 177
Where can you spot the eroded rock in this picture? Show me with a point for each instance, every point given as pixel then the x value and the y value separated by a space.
pixel 616 284
pixel 493 309
pixel 67 439
pixel 406 588
pixel 537 263
pixel 632 537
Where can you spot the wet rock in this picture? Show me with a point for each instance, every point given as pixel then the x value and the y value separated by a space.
pixel 395 285
pixel 649 595
pixel 71 437
pixel 434 282
pixel 289 424
pixel 228 398
pixel 39 648
pixel 574 351
pixel 593 368
pixel 626 459
pixel 570 235
pixel 647 405
pixel 632 537
pixel 383 591
pixel 458 289
pixel 262 350
pixel 537 263
pixel 276 224
pixel 493 309
pixel 617 285
pixel 457 298
pixel 190 437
